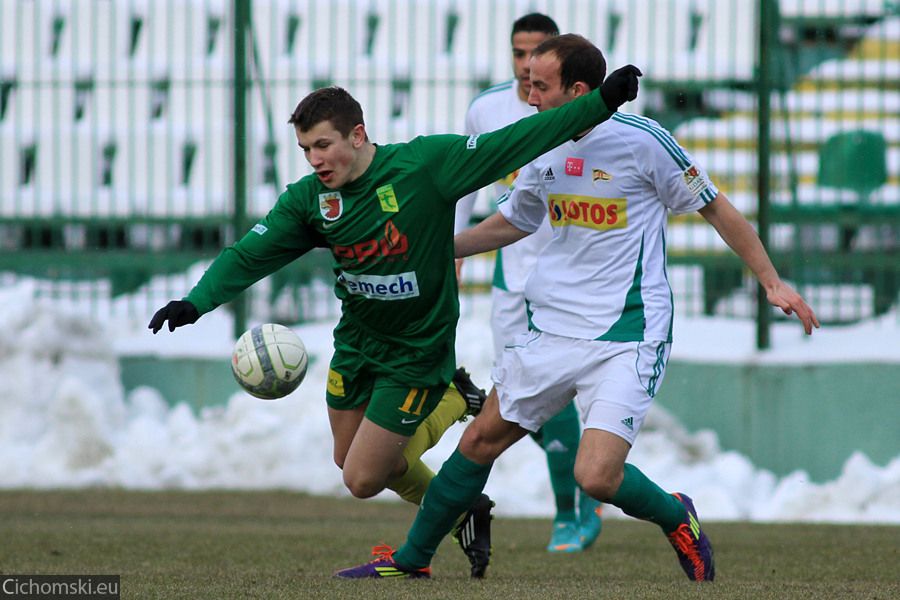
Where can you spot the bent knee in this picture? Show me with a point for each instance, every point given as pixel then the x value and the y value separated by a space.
pixel 599 485
pixel 363 488
pixel 479 447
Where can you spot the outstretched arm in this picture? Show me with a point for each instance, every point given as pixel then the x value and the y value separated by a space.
pixel 742 238
pixel 492 233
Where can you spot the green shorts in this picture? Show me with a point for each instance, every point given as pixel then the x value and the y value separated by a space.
pixel 396 407
pixel 401 381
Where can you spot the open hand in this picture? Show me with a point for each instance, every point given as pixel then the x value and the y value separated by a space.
pixel 177 312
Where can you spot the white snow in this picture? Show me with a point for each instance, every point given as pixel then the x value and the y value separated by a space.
pixel 65 420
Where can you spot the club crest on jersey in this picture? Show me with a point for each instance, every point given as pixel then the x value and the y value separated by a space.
pixel 331 205
pixel 387 198
pixel 508 180
pixel 600 175
pixel 695 180
pixel 574 166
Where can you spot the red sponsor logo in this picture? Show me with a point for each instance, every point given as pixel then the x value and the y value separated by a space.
pixel 391 246
pixel 574 166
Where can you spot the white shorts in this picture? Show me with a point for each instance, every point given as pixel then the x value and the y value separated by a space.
pixel 615 382
pixel 509 318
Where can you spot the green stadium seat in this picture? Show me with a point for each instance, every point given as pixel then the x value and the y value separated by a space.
pixel 854 160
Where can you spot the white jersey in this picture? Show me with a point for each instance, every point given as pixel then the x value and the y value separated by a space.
pixel 603 276
pixel 497 107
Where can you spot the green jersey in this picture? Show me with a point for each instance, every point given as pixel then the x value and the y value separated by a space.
pixel 390 231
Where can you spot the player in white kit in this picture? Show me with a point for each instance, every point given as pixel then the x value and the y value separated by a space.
pixel 601 305
pixel 492 109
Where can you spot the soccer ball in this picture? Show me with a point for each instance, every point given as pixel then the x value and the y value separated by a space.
pixel 269 361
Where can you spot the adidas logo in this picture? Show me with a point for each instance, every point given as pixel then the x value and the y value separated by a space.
pixel 629 423
pixel 556 446
pixel 549 176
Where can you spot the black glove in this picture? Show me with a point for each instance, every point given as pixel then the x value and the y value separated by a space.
pixel 177 312
pixel 620 87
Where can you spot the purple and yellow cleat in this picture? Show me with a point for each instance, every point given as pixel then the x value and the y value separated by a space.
pixel 383 567
pixel 695 553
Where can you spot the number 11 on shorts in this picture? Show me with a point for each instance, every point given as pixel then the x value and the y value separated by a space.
pixel 411 399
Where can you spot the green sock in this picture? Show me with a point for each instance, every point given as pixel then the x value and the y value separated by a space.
pixel 559 438
pixel 452 491
pixel 640 498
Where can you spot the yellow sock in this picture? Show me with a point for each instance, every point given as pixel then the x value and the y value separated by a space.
pixel 411 485
pixel 414 483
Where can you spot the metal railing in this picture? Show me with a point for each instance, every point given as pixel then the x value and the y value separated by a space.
pixel 138 137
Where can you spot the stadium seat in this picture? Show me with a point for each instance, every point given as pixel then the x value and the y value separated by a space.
pixel 725 44
pixel 145 168
pixel 204 171
pixel 66 162
pixel 182 38
pixel 654 34
pixel 854 160
pixel 280 33
pixel 12 147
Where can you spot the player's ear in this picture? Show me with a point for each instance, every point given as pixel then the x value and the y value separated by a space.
pixel 580 88
pixel 358 136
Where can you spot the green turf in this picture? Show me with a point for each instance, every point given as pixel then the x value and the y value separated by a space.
pixel 274 545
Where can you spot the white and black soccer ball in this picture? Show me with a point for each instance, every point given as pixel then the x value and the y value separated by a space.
pixel 269 361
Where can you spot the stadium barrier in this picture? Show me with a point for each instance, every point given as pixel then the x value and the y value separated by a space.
pixel 134 141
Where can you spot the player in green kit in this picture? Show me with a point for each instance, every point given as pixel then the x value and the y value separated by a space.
pixel 386 212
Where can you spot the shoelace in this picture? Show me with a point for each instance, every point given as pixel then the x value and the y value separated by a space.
pixel 381 553
pixel 684 542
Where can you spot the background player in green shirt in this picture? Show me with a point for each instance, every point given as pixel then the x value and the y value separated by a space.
pixel 386 212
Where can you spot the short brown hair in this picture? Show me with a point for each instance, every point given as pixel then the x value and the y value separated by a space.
pixel 579 60
pixel 333 104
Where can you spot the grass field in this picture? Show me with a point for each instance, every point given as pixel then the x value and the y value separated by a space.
pixel 276 545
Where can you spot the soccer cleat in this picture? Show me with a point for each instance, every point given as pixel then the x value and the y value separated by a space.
pixel 590 519
pixel 473 534
pixel 565 537
pixel 695 553
pixel 473 395
pixel 383 567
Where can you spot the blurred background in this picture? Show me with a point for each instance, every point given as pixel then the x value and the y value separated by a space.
pixel 139 137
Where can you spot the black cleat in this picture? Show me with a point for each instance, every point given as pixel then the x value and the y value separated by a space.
pixel 473 535
pixel 473 395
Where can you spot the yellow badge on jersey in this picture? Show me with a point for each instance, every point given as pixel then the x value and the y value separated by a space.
pixel 586 211
pixel 335 383
pixel 387 198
